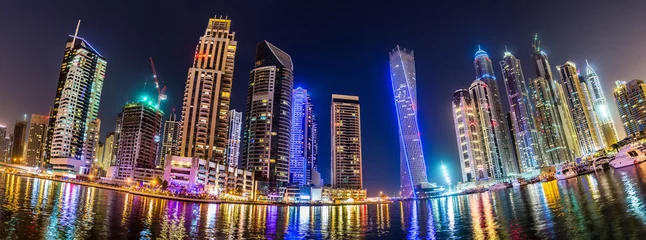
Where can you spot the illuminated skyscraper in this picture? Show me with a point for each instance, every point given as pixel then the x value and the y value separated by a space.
pixel 345 126
pixel 169 140
pixel 412 166
pixel 91 139
pixel 490 148
pixel 36 141
pixel 577 103
pixel 268 118
pixel 473 163
pixel 207 94
pixel 76 104
pixel 18 144
pixel 4 144
pixel 600 106
pixel 488 102
pixel 303 146
pixel 631 102
pixel 109 155
pixel 522 122
pixel 233 142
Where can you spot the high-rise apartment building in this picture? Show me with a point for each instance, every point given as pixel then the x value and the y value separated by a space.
pixel 345 128
pixel 4 144
pixel 527 147
pixel 169 140
pixel 76 104
pixel 473 163
pixel 233 137
pixel 576 100
pixel 490 147
pixel 600 106
pixel 109 156
pixel 208 93
pixel 18 144
pixel 36 140
pixel 268 118
pixel 631 102
pixel 92 140
pixel 303 145
pixel 412 166
pixel 140 125
pixel 98 157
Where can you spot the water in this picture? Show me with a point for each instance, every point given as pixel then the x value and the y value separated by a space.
pixel 605 205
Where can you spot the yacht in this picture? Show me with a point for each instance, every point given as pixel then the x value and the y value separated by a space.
pixel 519 182
pixel 627 156
pixel 500 185
pixel 565 170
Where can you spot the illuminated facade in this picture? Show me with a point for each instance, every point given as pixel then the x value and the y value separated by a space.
pixel 207 94
pixel 268 116
pixel 473 164
pixel 345 132
pixel 136 155
pixel 490 149
pixel 4 144
pixel 109 156
pixel 169 140
pixel 196 174
pixel 233 141
pixel 18 142
pixel 36 140
pixel 576 99
pixel 631 103
pixel 303 145
pixel 521 120
pixel 599 104
pixel 412 166
pixel 76 103
pixel 91 139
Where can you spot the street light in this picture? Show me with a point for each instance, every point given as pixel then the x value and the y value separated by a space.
pixel 446 176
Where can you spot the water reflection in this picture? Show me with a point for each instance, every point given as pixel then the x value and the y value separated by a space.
pixel 609 204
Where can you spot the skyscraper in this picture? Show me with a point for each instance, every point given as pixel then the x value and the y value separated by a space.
pixel 577 103
pixel 36 141
pixel 4 144
pixel 18 144
pixel 347 170
pixel 208 92
pixel 631 100
pixel 137 151
pixel 98 157
pixel 303 145
pixel 521 119
pixel 473 164
pixel 169 141
pixel 490 147
pixel 233 139
pixel 268 118
pixel 76 103
pixel 91 140
pixel 109 156
pixel 600 107
pixel 412 166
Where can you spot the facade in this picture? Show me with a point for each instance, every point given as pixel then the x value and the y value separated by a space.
pixel 18 144
pixel 473 163
pixel 76 103
pixel 340 194
pixel 600 108
pixel 207 94
pixel 491 151
pixel 571 139
pixel 36 141
pixel 631 102
pixel 196 174
pixel 411 154
pixel 304 140
pixel 521 121
pixel 109 158
pixel 347 159
pixel 4 144
pixel 136 155
pixel 497 123
pixel 169 141
pixel 98 159
pixel 577 103
pixel 233 139
pixel 268 118
pixel 92 140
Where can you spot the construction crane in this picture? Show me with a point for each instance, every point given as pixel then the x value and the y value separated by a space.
pixel 160 92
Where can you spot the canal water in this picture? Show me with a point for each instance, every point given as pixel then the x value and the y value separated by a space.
pixel 605 205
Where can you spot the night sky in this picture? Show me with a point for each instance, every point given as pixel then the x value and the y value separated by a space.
pixel 337 47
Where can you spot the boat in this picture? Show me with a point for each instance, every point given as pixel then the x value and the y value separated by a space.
pixel 500 185
pixel 628 156
pixel 565 170
pixel 601 163
pixel 519 182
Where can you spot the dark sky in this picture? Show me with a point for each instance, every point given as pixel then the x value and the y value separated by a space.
pixel 337 47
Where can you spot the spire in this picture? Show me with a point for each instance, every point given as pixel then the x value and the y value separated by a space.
pixel 479 49
pixel 537 43
pixel 76 33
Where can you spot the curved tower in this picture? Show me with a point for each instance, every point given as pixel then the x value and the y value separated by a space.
pixel 602 113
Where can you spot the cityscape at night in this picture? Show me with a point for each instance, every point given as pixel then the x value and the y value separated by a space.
pixel 322 120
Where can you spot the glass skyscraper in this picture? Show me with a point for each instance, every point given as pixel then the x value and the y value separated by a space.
pixel 600 106
pixel 412 164
pixel 303 149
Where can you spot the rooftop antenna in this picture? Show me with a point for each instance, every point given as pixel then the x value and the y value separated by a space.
pixel 479 49
pixel 78 25
pixel 506 50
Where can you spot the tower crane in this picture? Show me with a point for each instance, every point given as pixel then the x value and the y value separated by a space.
pixel 160 92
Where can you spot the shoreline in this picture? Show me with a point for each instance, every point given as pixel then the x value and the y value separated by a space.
pixel 195 200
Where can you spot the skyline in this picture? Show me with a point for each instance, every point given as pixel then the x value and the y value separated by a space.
pixel 383 150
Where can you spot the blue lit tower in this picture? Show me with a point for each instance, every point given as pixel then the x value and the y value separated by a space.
pixel 412 165
pixel 490 104
pixel 303 141
pixel 600 107
pixel 521 119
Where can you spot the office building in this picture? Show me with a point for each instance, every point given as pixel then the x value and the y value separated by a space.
pixel 36 140
pixel 268 116
pixel 600 106
pixel 631 102
pixel 233 139
pixel 411 154
pixel 304 140
pixel 18 144
pixel 169 141
pixel 208 93
pixel 347 171
pixel 474 165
